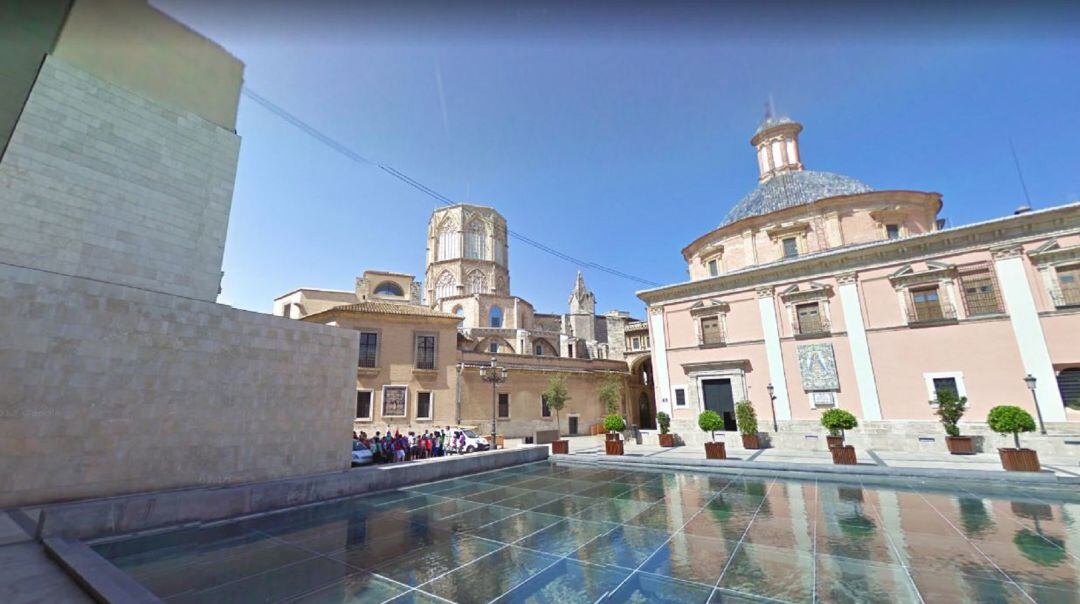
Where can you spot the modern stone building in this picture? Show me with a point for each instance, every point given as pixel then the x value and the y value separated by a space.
pixel 832 294
pixel 120 373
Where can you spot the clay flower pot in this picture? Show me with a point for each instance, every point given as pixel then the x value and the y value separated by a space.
pixel 560 447
pixel 613 447
pixel 715 450
pixel 667 440
pixel 1020 460
pixel 843 455
pixel 750 441
pixel 960 445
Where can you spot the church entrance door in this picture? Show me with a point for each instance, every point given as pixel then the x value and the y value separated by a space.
pixel 719 398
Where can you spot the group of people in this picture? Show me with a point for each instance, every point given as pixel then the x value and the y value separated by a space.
pixel 398 447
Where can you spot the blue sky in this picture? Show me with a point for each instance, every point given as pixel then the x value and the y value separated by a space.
pixel 616 137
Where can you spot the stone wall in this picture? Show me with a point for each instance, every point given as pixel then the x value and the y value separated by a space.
pixel 109 389
pixel 100 182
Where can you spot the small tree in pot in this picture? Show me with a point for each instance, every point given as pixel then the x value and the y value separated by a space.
pixel 614 424
pixel 664 421
pixel 710 421
pixel 1008 419
pixel 746 418
pixel 610 394
pixel 950 408
pixel 836 421
pixel 555 398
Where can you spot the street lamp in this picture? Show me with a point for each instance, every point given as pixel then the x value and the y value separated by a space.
pixel 496 375
pixel 1030 381
pixel 772 406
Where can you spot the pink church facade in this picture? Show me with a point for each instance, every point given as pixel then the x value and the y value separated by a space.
pixel 836 295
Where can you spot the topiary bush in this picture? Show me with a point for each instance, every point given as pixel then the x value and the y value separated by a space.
pixel 838 420
pixel 746 417
pixel 1009 419
pixel 664 421
pixel 614 423
pixel 710 421
pixel 950 408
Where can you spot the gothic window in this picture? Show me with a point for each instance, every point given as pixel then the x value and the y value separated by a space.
pixel 495 317
pixel 445 286
pixel 500 284
pixel 474 241
pixel 449 241
pixel 474 283
pixel 389 288
pixel 500 251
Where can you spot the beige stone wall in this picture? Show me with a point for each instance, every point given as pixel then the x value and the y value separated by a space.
pixel 98 181
pixel 397 367
pixel 110 389
pixel 527 379
pixel 132 44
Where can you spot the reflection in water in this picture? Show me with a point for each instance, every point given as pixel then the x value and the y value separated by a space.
pixel 651 537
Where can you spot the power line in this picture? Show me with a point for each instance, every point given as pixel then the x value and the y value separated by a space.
pixel 419 186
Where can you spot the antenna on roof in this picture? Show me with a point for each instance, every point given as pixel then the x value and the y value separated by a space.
pixel 1019 172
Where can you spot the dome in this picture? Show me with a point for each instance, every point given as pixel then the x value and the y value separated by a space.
pixel 791 189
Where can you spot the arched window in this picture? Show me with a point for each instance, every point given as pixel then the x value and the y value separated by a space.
pixel 459 311
pixel 449 244
pixel 474 283
pixel 474 240
pixel 445 286
pixel 495 317
pixel 389 288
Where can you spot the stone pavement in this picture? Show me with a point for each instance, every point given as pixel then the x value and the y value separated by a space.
pixel 1064 468
pixel 26 573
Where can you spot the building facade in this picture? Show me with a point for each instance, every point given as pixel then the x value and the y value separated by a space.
pixel 817 292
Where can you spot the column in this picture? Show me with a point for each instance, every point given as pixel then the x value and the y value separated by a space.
pixel 1020 304
pixel 860 348
pixel 767 309
pixel 659 358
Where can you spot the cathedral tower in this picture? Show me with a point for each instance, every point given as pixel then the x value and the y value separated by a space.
pixel 582 317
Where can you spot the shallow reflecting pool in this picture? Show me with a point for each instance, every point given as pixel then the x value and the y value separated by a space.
pixel 554 533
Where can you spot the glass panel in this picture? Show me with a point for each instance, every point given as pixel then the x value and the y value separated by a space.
pixel 425 352
pixel 369 346
pixel 791 247
pixel 363 405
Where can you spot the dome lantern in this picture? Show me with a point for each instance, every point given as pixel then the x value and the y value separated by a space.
pixel 777 142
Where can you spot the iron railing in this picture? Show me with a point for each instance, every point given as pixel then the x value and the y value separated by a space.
pixel 807 326
pixel 1066 296
pixel 931 314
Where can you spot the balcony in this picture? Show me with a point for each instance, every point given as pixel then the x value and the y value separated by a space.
pixel 1066 297
pixel 807 327
pixel 925 315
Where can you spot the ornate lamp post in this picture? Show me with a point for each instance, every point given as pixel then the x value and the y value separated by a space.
pixel 496 375
pixel 772 407
pixel 1030 381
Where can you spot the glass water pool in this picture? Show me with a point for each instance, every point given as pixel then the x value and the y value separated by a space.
pixel 555 533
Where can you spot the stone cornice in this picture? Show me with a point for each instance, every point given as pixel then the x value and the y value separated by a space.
pixel 1032 225
pixel 1056 256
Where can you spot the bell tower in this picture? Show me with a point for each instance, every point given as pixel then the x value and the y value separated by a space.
pixel 582 317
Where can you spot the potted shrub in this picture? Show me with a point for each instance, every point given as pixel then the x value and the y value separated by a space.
pixel 710 421
pixel 666 438
pixel 1008 419
pixel 836 421
pixel 746 418
pixel 950 408
pixel 610 394
pixel 614 424
pixel 555 397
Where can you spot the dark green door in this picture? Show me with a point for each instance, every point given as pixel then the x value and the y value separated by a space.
pixel 718 398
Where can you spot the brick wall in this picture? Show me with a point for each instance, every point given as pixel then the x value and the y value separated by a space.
pixel 110 390
pixel 98 181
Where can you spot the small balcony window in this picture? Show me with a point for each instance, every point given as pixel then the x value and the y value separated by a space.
pixel 980 293
pixel 1068 290
pixel 927 308
pixel 809 320
pixel 710 331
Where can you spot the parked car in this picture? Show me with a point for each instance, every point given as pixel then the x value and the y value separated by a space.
pixel 473 442
pixel 361 455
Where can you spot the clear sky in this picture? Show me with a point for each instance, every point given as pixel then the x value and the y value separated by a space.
pixel 617 133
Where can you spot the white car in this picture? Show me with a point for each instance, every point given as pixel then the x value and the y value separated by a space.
pixel 472 442
pixel 361 455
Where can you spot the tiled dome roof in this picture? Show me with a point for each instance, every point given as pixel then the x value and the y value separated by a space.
pixel 790 189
